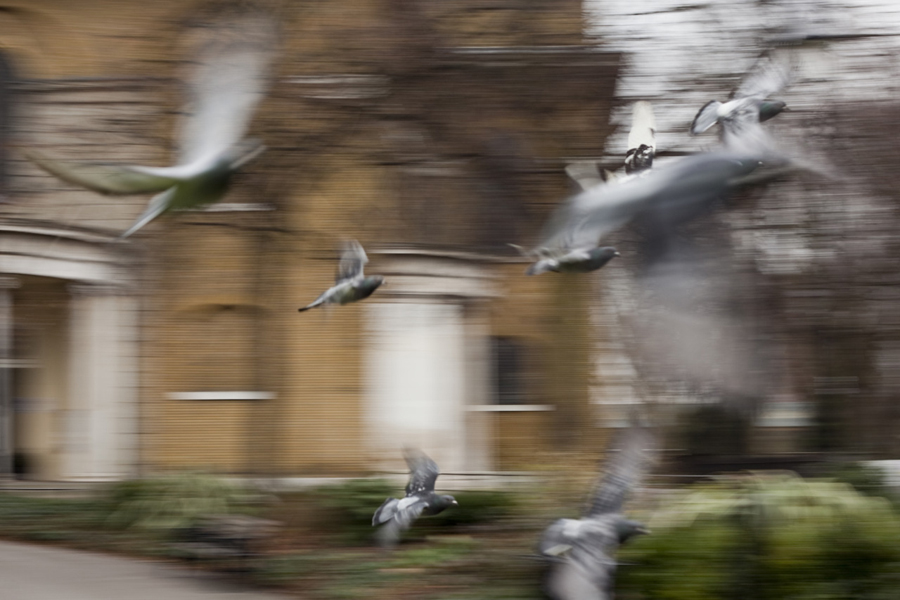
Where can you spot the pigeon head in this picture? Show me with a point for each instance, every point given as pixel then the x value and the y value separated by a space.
pixel 445 501
pixel 627 529
pixel 771 108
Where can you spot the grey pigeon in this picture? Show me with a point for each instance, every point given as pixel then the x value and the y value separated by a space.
pixel 396 516
pixel 227 80
pixel 581 254
pixel 574 261
pixel 583 550
pixel 749 105
pixel 351 284
pixel 684 186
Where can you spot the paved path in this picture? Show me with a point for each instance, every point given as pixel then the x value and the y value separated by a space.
pixel 29 572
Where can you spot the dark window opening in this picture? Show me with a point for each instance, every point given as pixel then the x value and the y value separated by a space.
pixel 509 385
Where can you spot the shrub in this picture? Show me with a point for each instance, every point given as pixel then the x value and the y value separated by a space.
pixel 767 537
pixel 174 501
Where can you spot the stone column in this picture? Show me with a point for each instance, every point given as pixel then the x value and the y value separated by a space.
pixel 102 426
pixel 7 284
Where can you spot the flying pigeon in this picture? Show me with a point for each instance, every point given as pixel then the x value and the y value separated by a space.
pixel 748 106
pixel 666 192
pixel 396 516
pixel 350 284
pixel 641 139
pixel 583 255
pixel 638 157
pixel 574 261
pixel 582 551
pixel 227 80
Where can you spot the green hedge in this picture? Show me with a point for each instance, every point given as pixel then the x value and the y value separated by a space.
pixel 767 537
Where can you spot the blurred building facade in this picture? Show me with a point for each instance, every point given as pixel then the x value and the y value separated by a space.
pixel 434 133
pixel 768 326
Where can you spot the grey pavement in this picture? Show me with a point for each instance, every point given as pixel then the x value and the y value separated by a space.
pixel 30 572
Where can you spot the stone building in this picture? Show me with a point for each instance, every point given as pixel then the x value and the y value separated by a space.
pixel 434 133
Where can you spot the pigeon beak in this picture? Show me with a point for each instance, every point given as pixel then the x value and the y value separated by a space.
pixel 616 254
pixel 455 503
pixel 644 530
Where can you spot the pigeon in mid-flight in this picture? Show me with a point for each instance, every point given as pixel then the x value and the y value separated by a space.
pixel 582 551
pixel 227 80
pixel 351 284
pixel 638 158
pixel 750 104
pixel 581 254
pixel 667 193
pixel 396 516
pixel 574 261
pixel 641 139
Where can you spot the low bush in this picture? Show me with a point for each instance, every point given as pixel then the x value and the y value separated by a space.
pixel 174 501
pixel 767 537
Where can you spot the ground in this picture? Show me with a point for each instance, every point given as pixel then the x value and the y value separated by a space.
pixel 32 572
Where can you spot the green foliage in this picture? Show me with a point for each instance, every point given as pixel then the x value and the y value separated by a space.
pixel 173 501
pixel 475 508
pixel 49 519
pixel 437 552
pixel 865 479
pixel 351 505
pixel 767 537
pixel 284 568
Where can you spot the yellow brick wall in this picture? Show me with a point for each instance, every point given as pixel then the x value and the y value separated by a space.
pixel 424 162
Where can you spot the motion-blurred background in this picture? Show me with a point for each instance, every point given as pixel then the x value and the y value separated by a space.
pixel 762 333
pixel 436 134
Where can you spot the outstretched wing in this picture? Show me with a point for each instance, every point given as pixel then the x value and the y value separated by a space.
pixel 583 220
pixel 770 75
pixel 353 259
pixel 408 511
pixel 423 472
pixel 226 79
pixel 585 174
pixel 105 179
pixel 624 470
pixel 706 117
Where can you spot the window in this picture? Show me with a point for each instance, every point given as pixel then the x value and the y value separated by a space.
pixel 509 384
